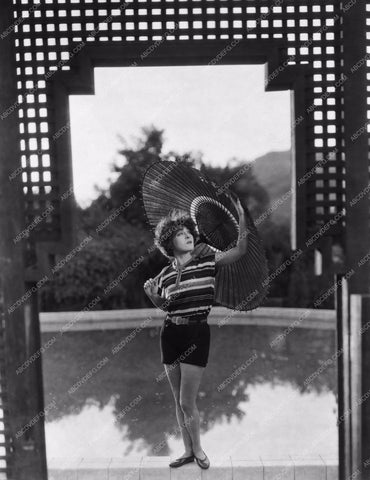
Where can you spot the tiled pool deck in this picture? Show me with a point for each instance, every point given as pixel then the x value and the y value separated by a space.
pixel 156 468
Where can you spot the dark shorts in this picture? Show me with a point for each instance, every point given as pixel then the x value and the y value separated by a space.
pixel 185 343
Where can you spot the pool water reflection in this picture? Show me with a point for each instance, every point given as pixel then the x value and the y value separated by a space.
pixel 120 404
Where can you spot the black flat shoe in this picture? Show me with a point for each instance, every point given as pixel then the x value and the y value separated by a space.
pixel 205 463
pixel 179 462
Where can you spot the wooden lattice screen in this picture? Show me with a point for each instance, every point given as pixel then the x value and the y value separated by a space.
pixel 52 34
pixel 5 437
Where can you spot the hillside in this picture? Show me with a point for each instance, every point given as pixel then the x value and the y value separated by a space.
pixel 273 173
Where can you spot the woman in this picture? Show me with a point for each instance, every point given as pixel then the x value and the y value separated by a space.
pixel 185 290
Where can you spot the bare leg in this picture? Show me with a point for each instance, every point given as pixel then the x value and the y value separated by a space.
pixel 174 377
pixel 191 376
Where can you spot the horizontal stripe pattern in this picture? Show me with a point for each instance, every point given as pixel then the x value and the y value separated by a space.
pixel 192 288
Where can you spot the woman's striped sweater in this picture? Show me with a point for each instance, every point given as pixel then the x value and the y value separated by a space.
pixel 190 288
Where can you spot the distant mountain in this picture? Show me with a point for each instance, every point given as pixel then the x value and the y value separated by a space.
pixel 273 173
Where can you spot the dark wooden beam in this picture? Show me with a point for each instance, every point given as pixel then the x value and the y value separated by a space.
pixel 26 451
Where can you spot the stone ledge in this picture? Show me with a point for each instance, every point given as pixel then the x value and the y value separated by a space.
pixel 131 318
pixel 156 468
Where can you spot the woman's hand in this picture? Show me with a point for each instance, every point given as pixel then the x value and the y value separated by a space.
pixel 235 200
pixel 151 287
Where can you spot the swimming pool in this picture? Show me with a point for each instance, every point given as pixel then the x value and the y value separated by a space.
pixel 259 396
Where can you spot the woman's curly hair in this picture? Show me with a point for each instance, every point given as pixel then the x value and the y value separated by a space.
pixel 167 228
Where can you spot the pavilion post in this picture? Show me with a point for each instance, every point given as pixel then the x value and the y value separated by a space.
pixel 354 365
pixel 25 447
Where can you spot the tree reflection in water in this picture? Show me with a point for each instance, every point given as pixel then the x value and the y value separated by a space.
pixel 131 373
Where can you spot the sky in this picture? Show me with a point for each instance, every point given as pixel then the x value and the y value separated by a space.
pixel 222 111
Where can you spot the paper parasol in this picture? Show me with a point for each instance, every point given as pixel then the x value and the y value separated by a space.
pixel 241 285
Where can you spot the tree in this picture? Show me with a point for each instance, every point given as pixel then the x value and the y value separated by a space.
pixel 122 235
